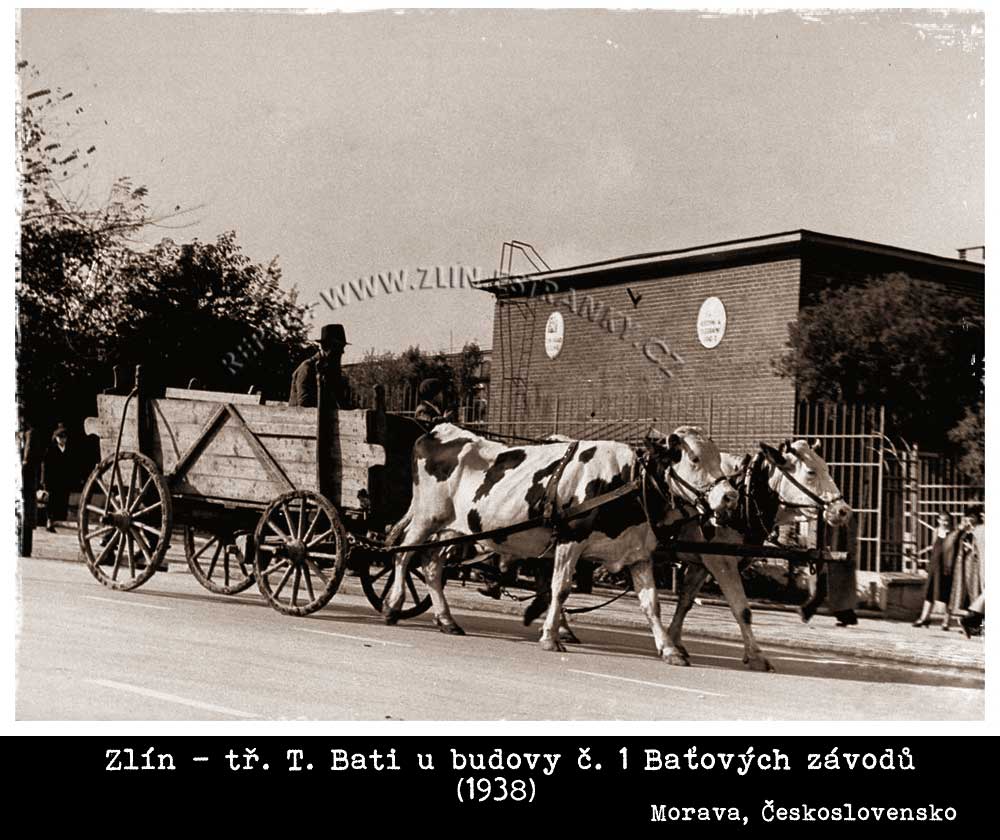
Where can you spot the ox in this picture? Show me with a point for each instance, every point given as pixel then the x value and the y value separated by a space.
pixel 464 484
pixel 771 496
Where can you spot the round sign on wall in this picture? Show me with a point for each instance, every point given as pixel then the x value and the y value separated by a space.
pixel 554 331
pixel 711 322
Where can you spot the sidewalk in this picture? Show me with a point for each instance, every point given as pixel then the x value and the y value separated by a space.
pixel 873 639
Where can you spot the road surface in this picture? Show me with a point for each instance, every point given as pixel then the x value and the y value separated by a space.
pixel 173 651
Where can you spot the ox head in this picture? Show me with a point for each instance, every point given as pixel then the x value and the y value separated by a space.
pixel 691 468
pixel 802 479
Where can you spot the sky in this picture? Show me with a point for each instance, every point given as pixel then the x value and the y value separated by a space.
pixel 355 144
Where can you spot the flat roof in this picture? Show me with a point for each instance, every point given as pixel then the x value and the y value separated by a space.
pixel 788 243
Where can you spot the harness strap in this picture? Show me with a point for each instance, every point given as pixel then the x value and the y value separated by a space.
pixel 550 510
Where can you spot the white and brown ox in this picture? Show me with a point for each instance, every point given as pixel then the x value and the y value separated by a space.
pixel 771 495
pixel 464 484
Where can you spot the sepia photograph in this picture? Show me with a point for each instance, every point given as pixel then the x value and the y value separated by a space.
pixel 499 365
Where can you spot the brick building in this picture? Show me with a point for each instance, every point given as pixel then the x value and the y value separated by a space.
pixel 677 336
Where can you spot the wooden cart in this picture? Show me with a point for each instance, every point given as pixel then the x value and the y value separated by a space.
pixel 259 491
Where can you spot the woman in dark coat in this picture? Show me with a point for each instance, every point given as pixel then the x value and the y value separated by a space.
pixel 57 478
pixel 940 571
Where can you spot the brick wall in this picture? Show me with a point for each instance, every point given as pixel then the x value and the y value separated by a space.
pixel 600 375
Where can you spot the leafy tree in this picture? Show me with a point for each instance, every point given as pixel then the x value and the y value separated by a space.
pixel 469 370
pixel 914 346
pixel 970 435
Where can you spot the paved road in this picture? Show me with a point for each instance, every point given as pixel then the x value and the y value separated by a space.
pixel 174 651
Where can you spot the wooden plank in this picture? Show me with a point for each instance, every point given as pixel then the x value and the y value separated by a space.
pixel 211 464
pixel 273 469
pixel 213 396
pixel 198 446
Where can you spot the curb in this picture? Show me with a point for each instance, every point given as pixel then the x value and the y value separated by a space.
pixel 470 600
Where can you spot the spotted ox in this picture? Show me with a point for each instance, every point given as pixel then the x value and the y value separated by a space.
pixel 465 484
pixel 768 501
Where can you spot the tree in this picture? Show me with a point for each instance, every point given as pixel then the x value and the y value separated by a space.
pixel 469 372
pixel 914 346
pixel 970 436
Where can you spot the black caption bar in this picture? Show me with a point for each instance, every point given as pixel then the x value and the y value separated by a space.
pixel 647 783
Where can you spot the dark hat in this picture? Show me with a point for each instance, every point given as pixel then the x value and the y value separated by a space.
pixel 333 334
pixel 60 430
pixel 430 388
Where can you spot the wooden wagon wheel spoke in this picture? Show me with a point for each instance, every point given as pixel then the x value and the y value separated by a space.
pixel 288 518
pixel 142 492
pixel 276 567
pixel 144 547
pixel 307 536
pixel 295 584
pixel 302 518
pixel 215 558
pixel 388 584
pixel 145 527
pixel 320 538
pixel 412 588
pixel 308 579
pixel 318 571
pixel 118 556
pixel 204 548
pixel 145 510
pixel 131 485
pixel 109 546
pixel 278 531
pixel 100 532
pixel 284 579
pixel 129 545
pixel 95 509
pixel 107 497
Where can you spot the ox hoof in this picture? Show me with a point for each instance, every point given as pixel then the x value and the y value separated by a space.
pixel 391 616
pixel 553 644
pixel 675 657
pixel 758 663
pixel 681 650
pixel 568 636
pixel 449 627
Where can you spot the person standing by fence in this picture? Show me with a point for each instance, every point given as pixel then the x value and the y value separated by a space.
pixel 58 475
pixel 968 580
pixel 940 571
pixel 30 460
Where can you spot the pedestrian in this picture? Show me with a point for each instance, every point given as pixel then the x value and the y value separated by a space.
pixel 967 582
pixel 431 410
pixel 57 478
pixel 836 582
pixel 327 360
pixel 940 570
pixel 30 460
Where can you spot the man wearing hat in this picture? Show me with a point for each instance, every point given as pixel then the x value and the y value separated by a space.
pixel 431 411
pixel 332 342
pixel 57 477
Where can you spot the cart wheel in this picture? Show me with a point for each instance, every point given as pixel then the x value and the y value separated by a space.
pixel 125 520
pixel 301 552
pixel 376 582
pixel 217 560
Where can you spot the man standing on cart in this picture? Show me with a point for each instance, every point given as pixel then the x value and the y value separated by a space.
pixel 431 410
pixel 304 392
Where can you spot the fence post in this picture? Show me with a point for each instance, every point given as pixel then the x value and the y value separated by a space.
pixel 879 501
